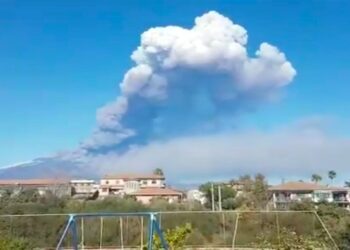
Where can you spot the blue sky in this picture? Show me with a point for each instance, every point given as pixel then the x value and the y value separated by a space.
pixel 60 61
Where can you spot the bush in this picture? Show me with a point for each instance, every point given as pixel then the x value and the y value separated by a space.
pixel 176 238
pixel 290 240
pixel 14 244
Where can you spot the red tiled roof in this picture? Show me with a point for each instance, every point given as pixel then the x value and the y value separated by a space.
pixel 303 186
pixel 135 177
pixel 156 192
pixel 32 182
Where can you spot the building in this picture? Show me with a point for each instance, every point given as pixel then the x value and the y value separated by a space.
pixel 145 195
pixel 238 186
pixel 290 192
pixel 196 195
pixel 43 186
pixel 84 187
pixel 129 183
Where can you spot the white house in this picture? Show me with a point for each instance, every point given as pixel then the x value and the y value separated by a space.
pixel 56 187
pixel 129 183
pixel 196 195
pixel 289 192
pixel 145 195
pixel 84 187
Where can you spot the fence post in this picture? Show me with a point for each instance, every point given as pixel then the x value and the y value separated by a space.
pixel 150 231
pixel 278 230
pixel 141 233
pixel 65 231
pixel 235 233
pixel 74 233
pixel 160 234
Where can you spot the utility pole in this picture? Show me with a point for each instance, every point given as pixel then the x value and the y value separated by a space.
pixel 219 194
pixel 212 197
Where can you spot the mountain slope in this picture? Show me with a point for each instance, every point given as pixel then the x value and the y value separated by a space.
pixel 49 167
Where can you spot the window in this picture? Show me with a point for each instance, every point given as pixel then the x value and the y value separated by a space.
pixel 154 181
pixel 323 196
pixel 144 182
pixel 104 189
pixel 107 182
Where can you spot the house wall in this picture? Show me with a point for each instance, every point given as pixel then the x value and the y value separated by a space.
pixel 103 191
pixel 146 199
pixel 152 183
pixel 196 195
pixel 281 198
pixel 83 187
pixel 319 196
pixel 56 189
pixel 112 182
pixel 109 186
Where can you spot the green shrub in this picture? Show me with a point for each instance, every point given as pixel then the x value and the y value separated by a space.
pixel 14 244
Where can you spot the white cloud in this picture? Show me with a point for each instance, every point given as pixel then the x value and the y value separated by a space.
pixel 282 153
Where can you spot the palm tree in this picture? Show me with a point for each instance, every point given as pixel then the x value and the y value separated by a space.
pixel 316 178
pixel 158 171
pixel 331 175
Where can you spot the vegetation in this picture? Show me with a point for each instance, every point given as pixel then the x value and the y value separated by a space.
pixel 331 175
pixel 227 195
pixel 8 243
pixel 316 178
pixel 158 171
pixel 301 230
pixel 175 238
pixel 290 240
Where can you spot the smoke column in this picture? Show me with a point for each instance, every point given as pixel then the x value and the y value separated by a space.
pixel 188 81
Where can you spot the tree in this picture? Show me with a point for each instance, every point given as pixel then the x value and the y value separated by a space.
pixel 347 184
pixel 260 191
pixel 229 204
pixel 316 178
pixel 331 175
pixel 226 193
pixel 158 171
pixel 255 192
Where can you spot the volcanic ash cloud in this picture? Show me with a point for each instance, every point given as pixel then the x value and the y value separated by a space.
pixel 189 81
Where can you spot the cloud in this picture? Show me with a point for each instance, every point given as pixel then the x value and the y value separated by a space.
pixel 187 80
pixel 288 153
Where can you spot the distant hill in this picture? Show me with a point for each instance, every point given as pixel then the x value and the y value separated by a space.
pixel 56 167
pixel 49 167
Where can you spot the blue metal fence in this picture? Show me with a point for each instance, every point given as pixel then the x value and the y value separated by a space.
pixel 153 227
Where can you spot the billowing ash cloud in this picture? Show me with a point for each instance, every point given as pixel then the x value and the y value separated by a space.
pixel 189 80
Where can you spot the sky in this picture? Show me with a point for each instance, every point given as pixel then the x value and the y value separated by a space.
pixel 61 62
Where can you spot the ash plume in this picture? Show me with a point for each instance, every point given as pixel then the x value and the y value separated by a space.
pixel 189 81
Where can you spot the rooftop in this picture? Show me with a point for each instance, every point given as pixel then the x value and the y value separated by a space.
pixel 304 186
pixel 132 176
pixel 82 181
pixel 156 191
pixel 34 182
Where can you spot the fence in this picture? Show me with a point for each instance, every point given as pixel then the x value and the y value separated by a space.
pixel 210 230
